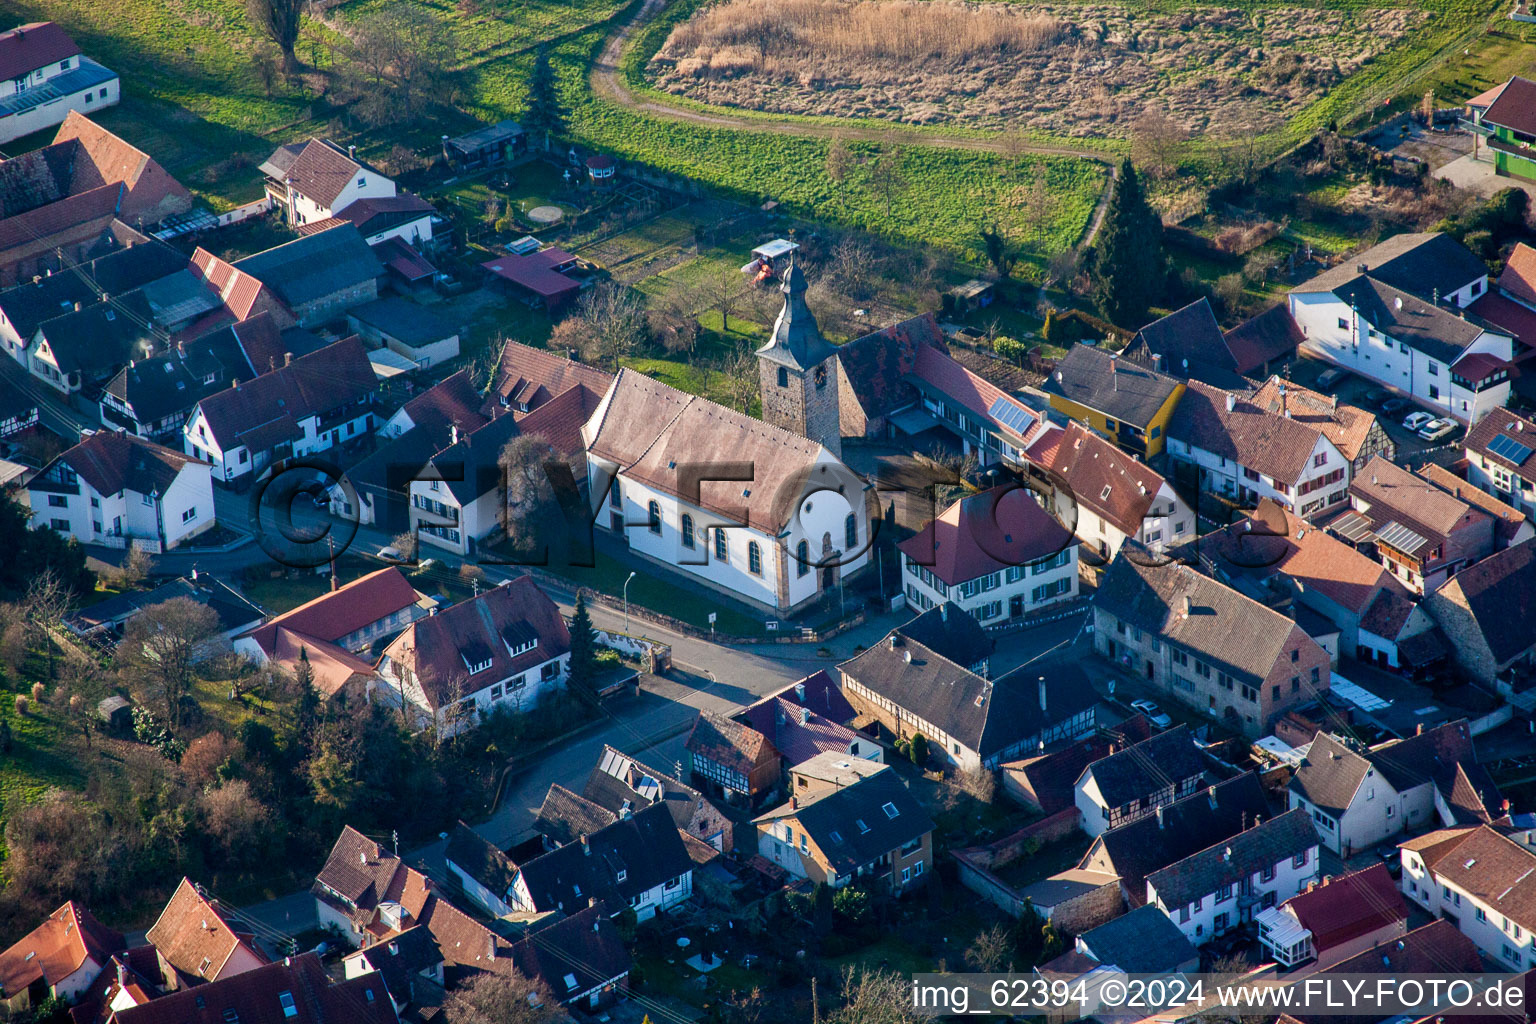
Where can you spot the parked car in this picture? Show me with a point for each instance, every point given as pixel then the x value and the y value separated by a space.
pixel 1391 858
pixel 1395 406
pixel 1415 420
pixel 1437 429
pixel 1328 378
pixel 1377 397
pixel 1156 715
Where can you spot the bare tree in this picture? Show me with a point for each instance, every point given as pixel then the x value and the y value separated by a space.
pixel 13 637
pixel 530 513
pixel 86 685
pixel 237 820
pixel 839 164
pixel 886 175
pixel 501 998
pixel 739 379
pixel 47 601
pixel 160 646
pixel 616 319
pixel 404 46
pixel 1155 141
pixel 980 783
pixel 279 21
pixel 722 292
pixel 992 950
pixel 875 997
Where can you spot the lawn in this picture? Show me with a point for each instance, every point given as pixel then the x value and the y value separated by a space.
pixel 692 605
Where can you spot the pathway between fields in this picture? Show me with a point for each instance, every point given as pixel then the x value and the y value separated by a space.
pixel 608 83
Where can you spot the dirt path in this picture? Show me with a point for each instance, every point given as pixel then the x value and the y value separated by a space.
pixel 608 83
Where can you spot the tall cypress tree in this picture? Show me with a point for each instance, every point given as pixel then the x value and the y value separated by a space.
pixel 583 645
pixel 1128 270
pixel 543 120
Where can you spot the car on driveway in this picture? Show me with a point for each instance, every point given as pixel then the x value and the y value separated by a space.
pixel 1392 858
pixel 1438 429
pixel 1377 397
pixel 1415 420
pixel 1156 715
pixel 1328 378
pixel 1394 406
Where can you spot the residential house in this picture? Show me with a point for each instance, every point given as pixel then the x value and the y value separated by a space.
pixel 405 217
pixel 153 397
pixel 953 633
pixel 564 817
pixel 730 760
pixel 1105 495
pixel 1238 449
pixel 1047 783
pixel 294 990
pixel 1512 118
pixel 1175 831
pixel 1510 525
pixel 639 862
pixel 1483 882
pixel 1143 941
pixel 1395 314
pixel 969 721
pixel 871 829
pixel 582 959
pixel 1422 534
pixel 1398 632
pixel 1225 885
pixel 1354 431
pixel 59 959
pixel 1360 797
pixel 526 378
pixel 481 871
pixel 1498 450
pixel 192 937
pixel 1204 644
pixel 44 76
pixel 809 718
pixel 319 277
pixel 234 612
pixel 307 406
pixel 996 555
pixel 1129 404
pixel 315 180
pixel 507 648
pixel 1279 559
pixel 987 421
pixel 119 490
pixel 406 328
pixel 1134 782
pixel 1336 920
pixel 875 386
pixel 409 963
pixel 539 279
pixel 1189 343
pixel 1485 611
pixel 357 617
pixel 620 784
pixel 780 540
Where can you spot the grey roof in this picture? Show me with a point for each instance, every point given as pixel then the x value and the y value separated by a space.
pixel 1234 633
pixel 952 632
pixel 565 816
pixel 851 826
pixel 1185 826
pixel 1229 861
pixel 314 266
pixel 232 609
pixel 479 858
pixel 1142 769
pixel 575 954
pixel 489 135
pixel 1144 941
pixel 1433 330
pixel 1190 340
pixel 27 305
pixel 988 716
pixel 471 466
pixel 796 341
pixel 1105 383
pixel 1329 775
pixel 645 850
pixel 407 321
pixel 1415 263
pixel 1500 593
pixel 618 779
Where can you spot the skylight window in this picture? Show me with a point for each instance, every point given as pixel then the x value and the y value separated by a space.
pixel 863 828
pixel 890 810
pixel 570 982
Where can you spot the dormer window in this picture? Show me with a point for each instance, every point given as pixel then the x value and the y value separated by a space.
pixel 622 875
pixel 475 666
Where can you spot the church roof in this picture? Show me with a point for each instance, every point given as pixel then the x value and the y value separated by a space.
pixel 796 342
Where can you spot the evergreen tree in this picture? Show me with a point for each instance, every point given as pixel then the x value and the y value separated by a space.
pixel 307 715
pixel 583 646
pixel 543 120
pixel 919 749
pixel 1127 268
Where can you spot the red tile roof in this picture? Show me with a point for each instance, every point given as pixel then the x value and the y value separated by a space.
pixel 532 376
pixel 986 533
pixel 316 384
pixel 1478 366
pixel 242 294
pixel 1349 907
pixel 35 230
pixel 322 172
pixel 559 421
pixel 338 613
pixel 111 461
pixel 1508 315
pixel 1519 275
pixel 536 272
pixel 1510 424
pixel 55 949
pixel 937 369
pixel 36 44
pixel 152 194
pixel 1347 426
pixel 193 937
pixel 1113 484
pixel 400 256
pixel 256 997
pixel 1515 107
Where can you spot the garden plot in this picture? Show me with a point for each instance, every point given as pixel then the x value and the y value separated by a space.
pixel 1078 70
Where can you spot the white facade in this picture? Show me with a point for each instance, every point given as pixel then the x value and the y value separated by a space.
pixel 1169 522
pixel 747 562
pixel 74 83
pixel 1336 332
pixel 438 519
pixel 367 184
pixel 1384 649
pixel 154 522
pixel 1376 813
pixel 1323 484
pixel 490 902
pixel 515 693
pixel 417 232
pixel 1511 488
pixel 1217 913
pixel 1498 937
pixel 229 464
pixel 645 905
pixel 1010 593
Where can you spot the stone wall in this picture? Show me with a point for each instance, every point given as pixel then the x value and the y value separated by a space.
pixel 1082 913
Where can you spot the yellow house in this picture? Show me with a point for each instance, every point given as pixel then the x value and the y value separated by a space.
pixel 1127 403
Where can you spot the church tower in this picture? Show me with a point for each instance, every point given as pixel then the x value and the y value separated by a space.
pixel 797 370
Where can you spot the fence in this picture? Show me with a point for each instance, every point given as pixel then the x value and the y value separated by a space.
pixel 117 542
pixel 246 212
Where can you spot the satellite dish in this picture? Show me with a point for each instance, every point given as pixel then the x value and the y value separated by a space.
pixel 1111 686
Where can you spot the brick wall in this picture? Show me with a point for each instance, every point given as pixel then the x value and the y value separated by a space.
pixel 1082 913
pixel 1448 608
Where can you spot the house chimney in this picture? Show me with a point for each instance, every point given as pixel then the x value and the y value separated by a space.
pixel 592 902
pixel 1187 605
pixel 287 358
pixel 1157 361
pixel 1042 693
pixel 352 153
pixel 1159 815
pixel 122 974
pixel 800 692
pixel 1284 409
pixel 586 847
pixel 794 803
pixel 1114 378
pixel 1231 401
pixel 78 305
pixel 1418 730
pixel 805 716
pixel 1210 795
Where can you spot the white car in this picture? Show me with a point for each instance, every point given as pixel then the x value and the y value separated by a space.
pixel 1415 420
pixel 1156 715
pixel 1434 430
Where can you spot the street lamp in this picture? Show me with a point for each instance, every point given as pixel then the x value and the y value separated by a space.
pixel 626 602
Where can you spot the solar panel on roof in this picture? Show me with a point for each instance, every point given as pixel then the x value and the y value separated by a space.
pixel 1011 415
pixel 1506 447
pixel 1398 536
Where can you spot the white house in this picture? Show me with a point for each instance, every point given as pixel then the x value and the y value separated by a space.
pixel 310 405
pixel 1140 780
pixel 1396 314
pixel 315 180
pixel 507 648
pixel 117 489
pixel 457 499
pixel 1499 450
pixel 1226 885
pixel 1245 452
pixel 43 76
pixel 1483 882
pixel 997 554
pixel 1105 495
pixel 722 499
pixel 1341 918
pixel 60 958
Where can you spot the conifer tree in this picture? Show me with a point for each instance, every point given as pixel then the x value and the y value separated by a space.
pixel 1127 269
pixel 543 119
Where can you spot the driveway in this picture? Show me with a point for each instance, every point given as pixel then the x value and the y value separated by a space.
pixel 1476 175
